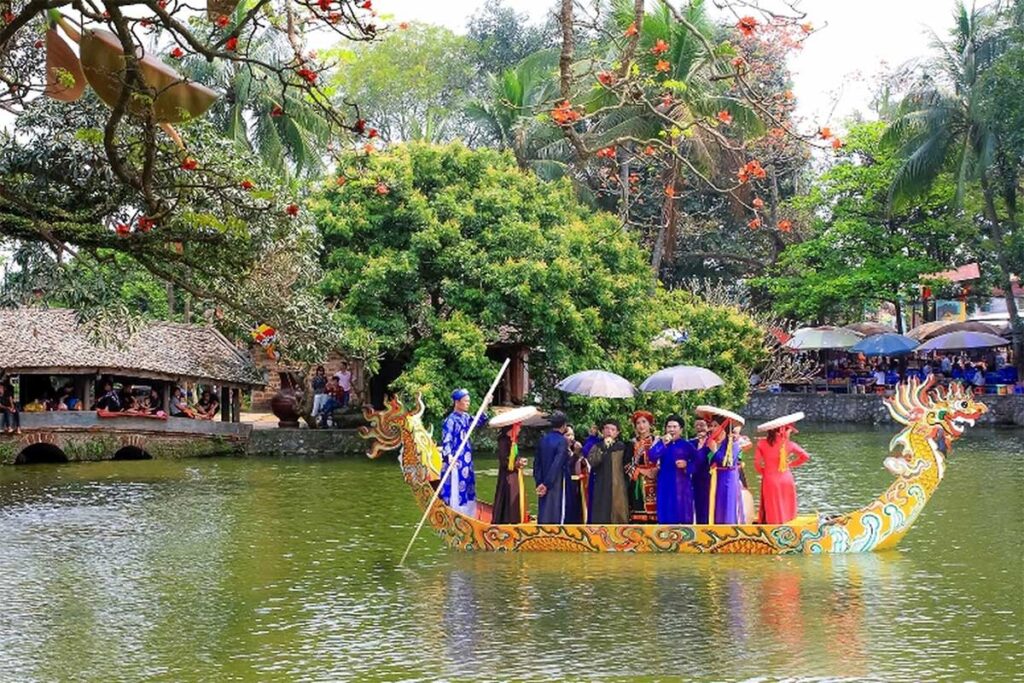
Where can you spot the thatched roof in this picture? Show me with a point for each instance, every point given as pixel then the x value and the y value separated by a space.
pixel 53 341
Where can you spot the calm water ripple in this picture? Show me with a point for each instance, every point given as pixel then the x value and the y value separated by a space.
pixel 231 570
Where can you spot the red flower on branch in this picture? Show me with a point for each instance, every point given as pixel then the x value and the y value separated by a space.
pixel 666 100
pixel 662 66
pixel 276 111
pixel 372 133
pixel 670 192
pixel 724 116
pixel 307 75
pixel 563 113
pixel 222 21
pixel 404 26
pixel 606 153
pixel 785 225
pixel 758 203
pixel 649 150
pixel 606 78
pixel 325 5
pixel 8 17
pixel 177 53
pixel 232 44
pixel 788 94
pixel 122 230
pixel 631 31
pixel 189 164
pixel 341 180
pixel 660 47
pixel 825 133
pixel 382 188
pixel 737 62
pixel 292 210
pixel 754 223
pixel 837 143
pixel 145 223
pixel 247 184
pixel 367 5
pixel 776 132
pixel 359 126
pixel 752 169
pixel 747 26
pixel 807 27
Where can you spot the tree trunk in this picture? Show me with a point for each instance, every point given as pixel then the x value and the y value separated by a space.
pixel 899 314
pixel 665 246
pixel 996 233
pixel 170 301
pixel 568 47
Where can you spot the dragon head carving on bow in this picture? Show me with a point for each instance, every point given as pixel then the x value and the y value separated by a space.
pixel 933 417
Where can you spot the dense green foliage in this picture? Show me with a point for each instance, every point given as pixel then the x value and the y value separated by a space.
pixel 435 253
pixel 859 252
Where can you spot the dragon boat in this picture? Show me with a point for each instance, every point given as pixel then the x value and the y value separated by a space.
pixel 932 418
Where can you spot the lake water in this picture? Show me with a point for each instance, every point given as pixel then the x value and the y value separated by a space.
pixel 284 570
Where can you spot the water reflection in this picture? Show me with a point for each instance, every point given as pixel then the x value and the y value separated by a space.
pixel 285 570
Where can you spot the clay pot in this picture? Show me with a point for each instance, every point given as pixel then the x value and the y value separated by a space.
pixel 285 403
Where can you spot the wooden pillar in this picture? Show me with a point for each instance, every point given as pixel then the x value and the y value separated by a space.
pixel 89 393
pixel 236 405
pixel 225 404
pixel 166 397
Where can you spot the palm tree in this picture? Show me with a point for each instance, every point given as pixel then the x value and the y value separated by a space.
pixel 288 132
pixel 943 125
pixel 510 113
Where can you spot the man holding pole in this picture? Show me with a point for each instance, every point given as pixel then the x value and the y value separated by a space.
pixel 459 488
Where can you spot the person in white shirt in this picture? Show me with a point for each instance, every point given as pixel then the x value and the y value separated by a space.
pixel 344 379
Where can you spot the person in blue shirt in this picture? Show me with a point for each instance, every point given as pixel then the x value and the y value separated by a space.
pixel 675 458
pixel 459 489
pixel 551 471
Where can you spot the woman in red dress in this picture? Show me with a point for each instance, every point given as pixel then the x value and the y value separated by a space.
pixel 774 461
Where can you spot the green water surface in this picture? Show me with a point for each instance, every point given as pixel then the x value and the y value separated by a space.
pixel 284 570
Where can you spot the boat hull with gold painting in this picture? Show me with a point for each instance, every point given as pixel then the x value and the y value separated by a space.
pixel 931 417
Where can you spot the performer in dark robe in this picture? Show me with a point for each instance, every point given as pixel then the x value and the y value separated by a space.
pixel 550 471
pixel 643 507
pixel 673 455
pixel 609 459
pixel 575 489
pixel 700 473
pixel 509 497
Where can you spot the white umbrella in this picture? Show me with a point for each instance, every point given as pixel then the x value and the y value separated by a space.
pixel 597 384
pixel 825 337
pixel 682 378
pixel 953 341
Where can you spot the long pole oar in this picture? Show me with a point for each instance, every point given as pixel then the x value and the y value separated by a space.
pixel 455 458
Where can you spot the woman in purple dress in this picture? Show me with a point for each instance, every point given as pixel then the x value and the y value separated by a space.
pixel 726 494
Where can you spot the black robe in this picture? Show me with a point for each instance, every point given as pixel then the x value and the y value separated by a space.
pixel 609 498
pixel 507 495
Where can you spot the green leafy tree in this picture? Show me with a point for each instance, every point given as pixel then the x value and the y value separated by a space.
pixel 434 253
pixel 859 252
pixel 502 37
pixel 410 84
pixel 946 124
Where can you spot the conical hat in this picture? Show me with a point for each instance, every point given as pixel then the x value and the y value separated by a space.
pixel 720 412
pixel 781 421
pixel 510 417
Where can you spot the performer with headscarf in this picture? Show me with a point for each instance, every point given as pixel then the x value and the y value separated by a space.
pixel 459 489
pixel 725 497
pixel 643 491
pixel 674 457
pixel 773 462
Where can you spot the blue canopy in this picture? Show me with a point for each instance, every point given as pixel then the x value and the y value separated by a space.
pixel 887 344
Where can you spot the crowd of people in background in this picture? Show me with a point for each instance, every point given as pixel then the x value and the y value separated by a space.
pixel 330 393
pixel 887 371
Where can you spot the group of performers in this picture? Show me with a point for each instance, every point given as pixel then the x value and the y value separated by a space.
pixel 651 478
